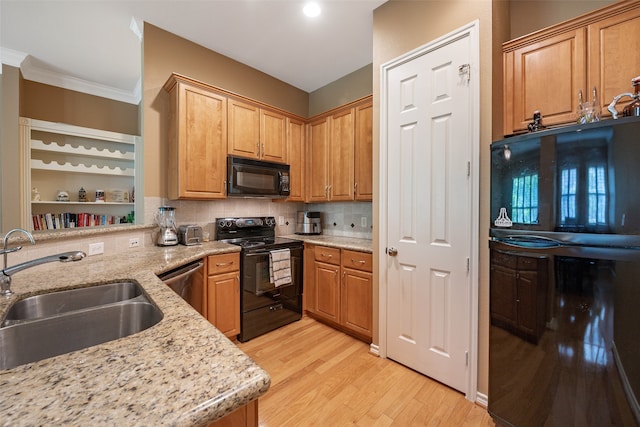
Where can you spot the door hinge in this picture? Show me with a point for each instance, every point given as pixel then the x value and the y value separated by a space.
pixel 466 356
pixel 468 264
pixel 468 169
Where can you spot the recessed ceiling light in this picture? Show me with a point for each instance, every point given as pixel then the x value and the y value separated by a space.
pixel 311 9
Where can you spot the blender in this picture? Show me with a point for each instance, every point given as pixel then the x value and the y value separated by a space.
pixel 166 220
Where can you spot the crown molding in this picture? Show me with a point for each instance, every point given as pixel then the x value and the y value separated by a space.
pixel 32 72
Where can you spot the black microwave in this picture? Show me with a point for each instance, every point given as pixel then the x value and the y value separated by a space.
pixel 256 178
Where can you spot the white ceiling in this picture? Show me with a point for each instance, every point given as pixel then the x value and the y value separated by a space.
pixel 88 45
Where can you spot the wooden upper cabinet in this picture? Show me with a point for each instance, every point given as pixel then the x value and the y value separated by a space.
pixel 341 161
pixel 363 182
pixel 614 56
pixel 273 136
pixel 297 159
pixel 340 154
pixel 317 160
pixel 256 133
pixel 244 129
pixel 545 76
pixel 197 141
pixel 545 70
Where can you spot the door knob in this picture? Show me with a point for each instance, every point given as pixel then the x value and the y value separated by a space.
pixel 392 251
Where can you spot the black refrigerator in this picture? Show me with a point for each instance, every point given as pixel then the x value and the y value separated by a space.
pixel 564 337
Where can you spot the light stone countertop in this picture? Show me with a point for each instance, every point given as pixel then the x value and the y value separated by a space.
pixel 180 372
pixel 351 243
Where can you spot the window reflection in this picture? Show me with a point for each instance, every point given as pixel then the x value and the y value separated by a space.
pixel 597 195
pixel 524 199
pixel 568 189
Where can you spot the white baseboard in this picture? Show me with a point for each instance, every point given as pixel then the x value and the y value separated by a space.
pixel 374 349
pixel 482 399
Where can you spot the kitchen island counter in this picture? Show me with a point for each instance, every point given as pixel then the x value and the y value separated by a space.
pixel 181 371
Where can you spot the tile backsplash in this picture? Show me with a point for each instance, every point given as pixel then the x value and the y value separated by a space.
pixel 349 219
pixel 338 219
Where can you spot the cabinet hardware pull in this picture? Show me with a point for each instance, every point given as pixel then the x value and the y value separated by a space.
pixel 223 264
pixel 357 261
pixel 262 155
pixel 344 273
pixel 325 255
pixel 258 148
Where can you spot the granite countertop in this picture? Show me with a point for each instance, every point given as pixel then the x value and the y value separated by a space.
pixel 351 243
pixel 180 372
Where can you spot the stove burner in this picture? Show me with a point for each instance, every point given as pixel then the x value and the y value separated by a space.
pixel 250 244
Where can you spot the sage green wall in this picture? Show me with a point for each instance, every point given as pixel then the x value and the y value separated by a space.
pixel 351 87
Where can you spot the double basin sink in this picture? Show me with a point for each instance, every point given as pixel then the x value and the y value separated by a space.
pixel 47 325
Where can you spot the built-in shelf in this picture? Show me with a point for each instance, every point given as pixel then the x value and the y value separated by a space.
pixel 80 168
pixel 81 151
pixel 58 157
pixel 54 202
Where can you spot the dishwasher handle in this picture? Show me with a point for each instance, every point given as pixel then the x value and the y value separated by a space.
pixel 177 275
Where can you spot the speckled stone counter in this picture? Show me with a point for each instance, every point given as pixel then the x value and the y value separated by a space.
pixel 180 372
pixel 351 243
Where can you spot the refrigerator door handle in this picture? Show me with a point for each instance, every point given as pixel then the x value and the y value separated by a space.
pixel 537 242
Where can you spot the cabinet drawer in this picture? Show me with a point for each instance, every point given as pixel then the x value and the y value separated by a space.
pixel 328 255
pixel 505 260
pixel 357 260
pixel 223 263
pixel 527 263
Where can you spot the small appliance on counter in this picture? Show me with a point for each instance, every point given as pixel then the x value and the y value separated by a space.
pixel 190 234
pixel 308 222
pixel 165 218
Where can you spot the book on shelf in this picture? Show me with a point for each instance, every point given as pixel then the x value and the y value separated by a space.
pixel 58 221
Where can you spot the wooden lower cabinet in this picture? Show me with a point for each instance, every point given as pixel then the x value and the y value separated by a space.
pixel 339 289
pixel 222 294
pixel 246 416
pixel 518 296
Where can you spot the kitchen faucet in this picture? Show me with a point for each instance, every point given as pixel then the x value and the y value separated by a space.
pixel 7 272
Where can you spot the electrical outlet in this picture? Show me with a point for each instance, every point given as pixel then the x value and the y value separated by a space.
pixel 134 242
pixel 280 220
pixel 96 248
pixel 363 221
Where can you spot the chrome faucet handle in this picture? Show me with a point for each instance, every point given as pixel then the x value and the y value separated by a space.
pixel 8 251
pixel 612 106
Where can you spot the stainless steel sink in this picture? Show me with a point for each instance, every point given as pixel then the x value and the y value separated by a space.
pixel 53 303
pixel 93 317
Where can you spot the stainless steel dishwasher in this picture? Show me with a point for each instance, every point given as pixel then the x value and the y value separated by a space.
pixel 187 281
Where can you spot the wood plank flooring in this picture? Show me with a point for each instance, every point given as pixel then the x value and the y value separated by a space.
pixel 322 377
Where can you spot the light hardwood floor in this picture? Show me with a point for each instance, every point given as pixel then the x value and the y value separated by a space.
pixel 322 377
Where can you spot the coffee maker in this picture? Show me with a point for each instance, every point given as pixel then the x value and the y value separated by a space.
pixel 165 218
pixel 308 222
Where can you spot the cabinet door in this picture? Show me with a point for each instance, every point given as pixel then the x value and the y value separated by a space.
pixel 544 75
pixel 527 283
pixel 614 56
pixel 327 297
pixel 273 136
pixel 357 301
pixel 223 302
pixel 503 296
pixel 317 160
pixel 296 156
pixel 244 129
pixel 341 160
pixel 197 144
pixel 363 183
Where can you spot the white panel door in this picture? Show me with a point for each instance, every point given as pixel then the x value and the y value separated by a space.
pixel 429 220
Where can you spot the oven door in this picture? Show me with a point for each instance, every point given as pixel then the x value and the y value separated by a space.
pixel 255 273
